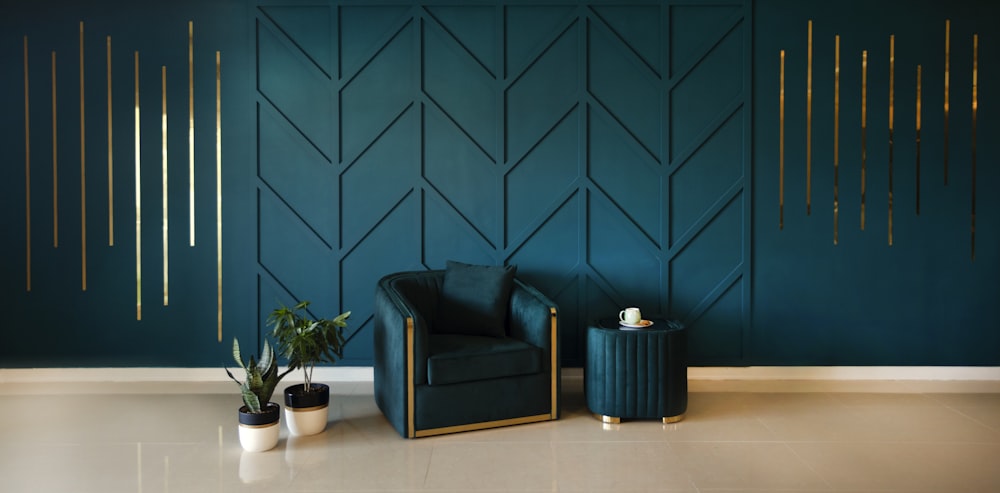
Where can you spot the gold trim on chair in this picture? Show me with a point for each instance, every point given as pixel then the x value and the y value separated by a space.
pixel 481 426
pixel 554 362
pixel 409 378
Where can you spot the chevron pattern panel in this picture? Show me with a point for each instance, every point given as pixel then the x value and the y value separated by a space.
pixel 604 149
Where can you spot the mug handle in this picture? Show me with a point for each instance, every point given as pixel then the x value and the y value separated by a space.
pixel 621 316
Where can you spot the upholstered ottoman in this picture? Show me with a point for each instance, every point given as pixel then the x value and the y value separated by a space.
pixel 637 374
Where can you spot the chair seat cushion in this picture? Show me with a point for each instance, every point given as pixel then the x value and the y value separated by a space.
pixel 463 358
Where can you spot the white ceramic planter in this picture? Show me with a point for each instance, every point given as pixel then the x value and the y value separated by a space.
pixel 304 422
pixel 259 432
pixel 306 413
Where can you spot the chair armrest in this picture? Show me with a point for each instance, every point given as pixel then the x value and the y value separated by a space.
pixel 532 317
pixel 393 309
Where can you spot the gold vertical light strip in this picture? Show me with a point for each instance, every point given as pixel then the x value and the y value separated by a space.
pixel 892 96
pixel 83 176
pixel 138 202
pixel 864 130
pixel 781 144
pixel 947 83
pixel 975 111
pixel 191 132
pixel 166 223
pixel 27 172
pixel 55 159
pixel 917 162
pixel 809 119
pixel 111 175
pixel 836 137
pixel 218 186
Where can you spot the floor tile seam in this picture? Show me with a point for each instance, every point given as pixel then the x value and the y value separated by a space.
pixel 809 466
pixel 833 442
pixel 790 488
pixel 427 468
pixel 77 443
pixel 968 417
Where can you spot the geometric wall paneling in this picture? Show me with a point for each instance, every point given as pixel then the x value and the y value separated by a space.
pixel 377 180
pixel 448 235
pixel 363 31
pixel 622 257
pixel 284 241
pixel 716 335
pixel 462 173
pixel 297 172
pixel 462 88
pixel 542 180
pixel 710 90
pixel 296 87
pixel 696 29
pixel 475 30
pixel 522 134
pixel 393 243
pixel 626 172
pixel 551 255
pixel 571 314
pixel 551 259
pixel 705 267
pixel 308 28
pixel 625 86
pixel 538 98
pixel 639 28
pixel 529 31
pixel 709 178
pixel 374 97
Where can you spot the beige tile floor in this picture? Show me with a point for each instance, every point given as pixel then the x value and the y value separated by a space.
pixel 182 438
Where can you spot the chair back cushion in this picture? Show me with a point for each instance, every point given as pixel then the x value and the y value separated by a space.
pixel 474 299
pixel 462 358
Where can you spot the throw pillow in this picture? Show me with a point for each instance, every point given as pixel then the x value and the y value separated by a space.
pixel 474 299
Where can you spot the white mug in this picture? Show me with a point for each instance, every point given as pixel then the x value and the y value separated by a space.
pixel 630 315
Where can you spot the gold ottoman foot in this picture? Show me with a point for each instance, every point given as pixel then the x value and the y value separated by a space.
pixel 673 419
pixel 608 419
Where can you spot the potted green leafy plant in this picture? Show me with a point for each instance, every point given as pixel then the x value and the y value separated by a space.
pixel 258 416
pixel 305 342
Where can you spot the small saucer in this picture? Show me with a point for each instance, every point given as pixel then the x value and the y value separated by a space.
pixel 641 325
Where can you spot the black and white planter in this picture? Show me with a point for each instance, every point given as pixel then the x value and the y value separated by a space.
pixel 306 412
pixel 259 431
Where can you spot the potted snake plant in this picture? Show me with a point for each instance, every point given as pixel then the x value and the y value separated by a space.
pixel 304 342
pixel 259 416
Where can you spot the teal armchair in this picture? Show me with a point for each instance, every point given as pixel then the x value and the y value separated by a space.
pixel 431 381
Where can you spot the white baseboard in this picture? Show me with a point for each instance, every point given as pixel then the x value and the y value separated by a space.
pixel 862 373
pixel 194 375
pixel 701 379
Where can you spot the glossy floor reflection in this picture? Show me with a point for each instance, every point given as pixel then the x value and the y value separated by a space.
pixel 182 438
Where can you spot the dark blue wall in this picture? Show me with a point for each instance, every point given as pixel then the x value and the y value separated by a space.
pixel 923 300
pixel 620 153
